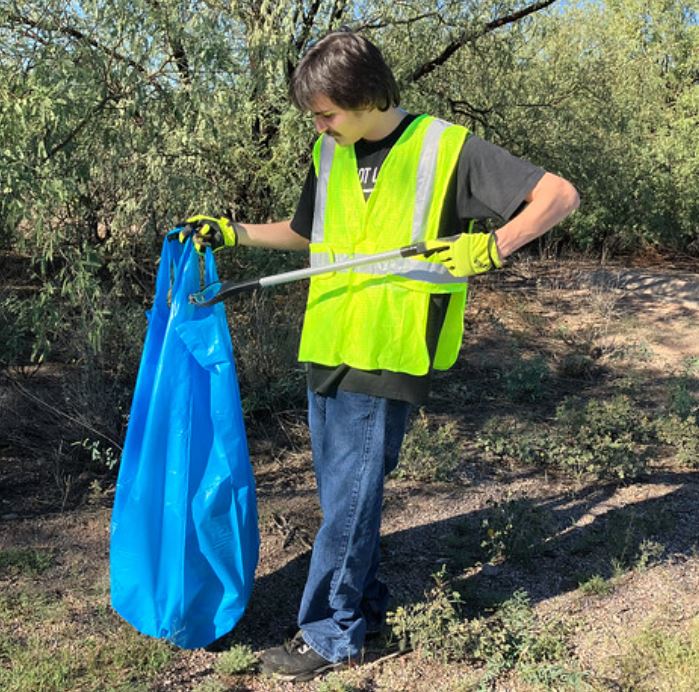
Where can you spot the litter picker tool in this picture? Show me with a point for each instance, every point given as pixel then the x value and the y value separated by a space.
pixel 226 289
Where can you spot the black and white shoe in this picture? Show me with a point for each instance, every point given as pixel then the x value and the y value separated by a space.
pixel 295 661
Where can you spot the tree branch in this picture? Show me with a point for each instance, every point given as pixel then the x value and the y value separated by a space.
pixel 375 24
pixel 176 46
pixel 454 46
pixel 83 38
pixel 336 13
pixel 306 25
pixel 79 127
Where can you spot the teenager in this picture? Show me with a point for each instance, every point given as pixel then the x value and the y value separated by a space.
pixel 381 178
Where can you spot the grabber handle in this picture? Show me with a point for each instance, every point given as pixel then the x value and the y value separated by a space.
pixel 229 288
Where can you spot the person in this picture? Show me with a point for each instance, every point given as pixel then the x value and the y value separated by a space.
pixel 381 178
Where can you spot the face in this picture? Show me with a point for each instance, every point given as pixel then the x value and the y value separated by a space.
pixel 345 126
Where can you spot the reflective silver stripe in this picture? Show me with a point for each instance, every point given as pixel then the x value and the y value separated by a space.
pixel 327 150
pixel 426 174
pixel 406 267
pixel 319 259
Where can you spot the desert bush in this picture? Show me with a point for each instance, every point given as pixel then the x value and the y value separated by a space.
pixel 606 438
pixel 514 529
pixel 435 627
pixel 596 585
pixel 512 639
pixel 24 561
pixel 335 683
pixel 649 553
pixel 679 426
pixel 429 452
pixel 524 381
pixel 237 660
pixel 683 435
pixel 538 650
pixel 682 402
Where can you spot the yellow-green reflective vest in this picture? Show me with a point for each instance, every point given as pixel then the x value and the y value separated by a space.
pixel 375 317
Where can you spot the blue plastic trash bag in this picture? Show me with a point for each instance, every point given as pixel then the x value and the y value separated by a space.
pixel 184 535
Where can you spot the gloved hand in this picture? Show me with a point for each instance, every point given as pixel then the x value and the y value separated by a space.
pixel 209 231
pixel 469 254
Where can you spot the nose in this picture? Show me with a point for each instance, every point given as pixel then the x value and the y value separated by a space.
pixel 320 124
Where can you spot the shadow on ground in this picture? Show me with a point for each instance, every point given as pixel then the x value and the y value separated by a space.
pixel 560 542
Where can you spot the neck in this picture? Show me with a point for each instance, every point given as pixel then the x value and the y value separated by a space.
pixel 384 123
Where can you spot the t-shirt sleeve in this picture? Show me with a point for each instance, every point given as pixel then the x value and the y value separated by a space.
pixel 302 223
pixel 491 182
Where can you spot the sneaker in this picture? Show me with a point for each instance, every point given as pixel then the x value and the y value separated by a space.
pixel 295 661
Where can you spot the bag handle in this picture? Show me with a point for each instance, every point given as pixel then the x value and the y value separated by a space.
pixel 163 279
pixel 210 271
pixel 179 264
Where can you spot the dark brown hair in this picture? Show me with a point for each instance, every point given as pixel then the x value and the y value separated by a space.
pixel 349 70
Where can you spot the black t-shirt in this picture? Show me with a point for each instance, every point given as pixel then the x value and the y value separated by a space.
pixel 488 183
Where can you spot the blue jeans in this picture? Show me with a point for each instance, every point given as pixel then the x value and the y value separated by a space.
pixel 355 440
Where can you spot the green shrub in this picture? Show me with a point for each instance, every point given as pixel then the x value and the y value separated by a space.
pixel 608 439
pixel 682 402
pixel 429 453
pixel 515 529
pixel 434 627
pixel 683 435
pixel 14 561
pixel 512 639
pixel 211 685
pixel 596 585
pixel 334 683
pixel 537 650
pixel 237 660
pixel 525 379
pixel 649 553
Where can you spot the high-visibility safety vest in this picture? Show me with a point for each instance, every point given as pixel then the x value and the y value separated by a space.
pixel 374 317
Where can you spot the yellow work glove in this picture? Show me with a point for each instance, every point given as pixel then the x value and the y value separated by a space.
pixel 209 231
pixel 469 254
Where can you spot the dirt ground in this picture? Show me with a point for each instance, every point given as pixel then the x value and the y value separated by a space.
pixel 613 324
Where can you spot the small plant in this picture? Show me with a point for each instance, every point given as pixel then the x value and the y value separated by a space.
pixel 659 660
pixel 512 639
pixel 649 552
pixel 211 684
pixel 609 439
pixel 27 561
pixel 237 660
pixel 99 452
pixel 434 627
pixel 682 402
pixel 429 453
pixel 596 586
pixel 515 529
pixel 576 365
pixel 334 683
pixel 683 435
pixel 618 568
pixel 524 381
pixel 606 437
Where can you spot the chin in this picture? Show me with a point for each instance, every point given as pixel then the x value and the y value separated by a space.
pixel 343 141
